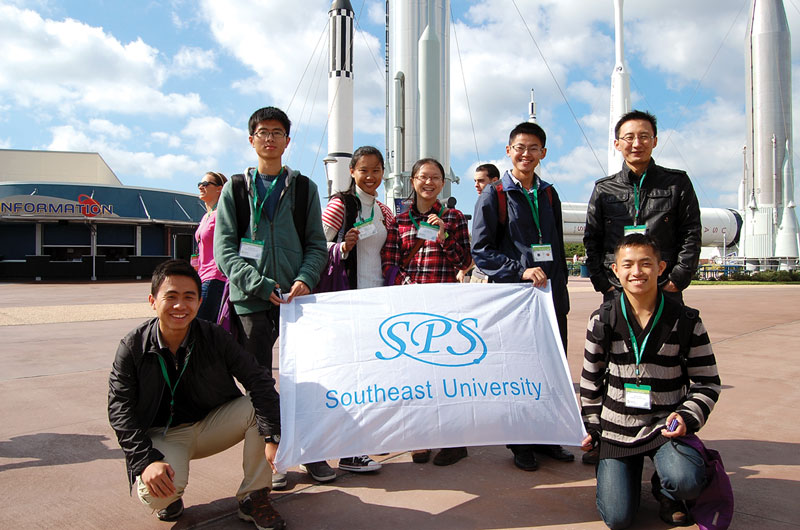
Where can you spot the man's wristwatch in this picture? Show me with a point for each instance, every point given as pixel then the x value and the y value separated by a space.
pixel 273 439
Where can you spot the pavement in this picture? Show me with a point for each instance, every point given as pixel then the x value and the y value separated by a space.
pixel 60 465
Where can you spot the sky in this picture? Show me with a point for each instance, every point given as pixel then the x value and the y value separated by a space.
pixel 163 89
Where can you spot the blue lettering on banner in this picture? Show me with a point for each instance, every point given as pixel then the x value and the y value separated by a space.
pixel 432 339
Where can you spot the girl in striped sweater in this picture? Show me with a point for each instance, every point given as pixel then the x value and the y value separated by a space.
pixel 642 389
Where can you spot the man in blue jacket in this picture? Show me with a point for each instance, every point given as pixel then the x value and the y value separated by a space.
pixel 517 236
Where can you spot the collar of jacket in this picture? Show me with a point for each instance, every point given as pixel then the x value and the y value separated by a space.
pixel 510 183
pixel 627 171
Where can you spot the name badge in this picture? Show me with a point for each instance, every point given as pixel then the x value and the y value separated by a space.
pixel 195 261
pixel 542 252
pixel 637 397
pixel 366 229
pixel 428 232
pixel 252 249
pixel 635 229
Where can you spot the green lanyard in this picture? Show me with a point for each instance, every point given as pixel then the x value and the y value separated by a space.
pixel 637 351
pixel 170 386
pixel 534 204
pixel 636 197
pixel 365 221
pixel 414 221
pixel 259 208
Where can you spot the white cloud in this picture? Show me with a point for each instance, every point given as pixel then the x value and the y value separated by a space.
pixel 107 128
pixel 376 12
pixel 170 140
pixel 189 60
pixel 212 136
pixel 70 64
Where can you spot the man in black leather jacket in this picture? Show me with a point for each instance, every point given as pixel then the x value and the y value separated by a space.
pixel 643 197
pixel 172 398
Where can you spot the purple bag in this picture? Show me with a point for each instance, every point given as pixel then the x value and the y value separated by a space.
pixel 713 509
pixel 334 277
pixel 227 318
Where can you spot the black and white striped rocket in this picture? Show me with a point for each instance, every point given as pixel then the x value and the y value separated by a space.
pixel 340 96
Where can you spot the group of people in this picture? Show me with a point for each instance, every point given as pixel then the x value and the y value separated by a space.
pixel 172 395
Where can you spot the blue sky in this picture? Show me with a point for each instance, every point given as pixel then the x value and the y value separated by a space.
pixel 163 89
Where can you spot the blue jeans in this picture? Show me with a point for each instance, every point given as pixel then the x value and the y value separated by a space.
pixel 619 481
pixel 211 292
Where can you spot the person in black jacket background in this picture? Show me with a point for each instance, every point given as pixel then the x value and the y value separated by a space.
pixel 172 398
pixel 647 198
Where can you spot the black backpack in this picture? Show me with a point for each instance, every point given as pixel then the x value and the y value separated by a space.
pixel 241 201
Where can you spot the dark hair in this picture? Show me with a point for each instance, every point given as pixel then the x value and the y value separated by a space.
pixel 269 113
pixel 218 177
pixel 636 115
pixel 174 267
pixel 527 127
pixel 415 169
pixel 491 171
pixel 637 240
pixel 366 150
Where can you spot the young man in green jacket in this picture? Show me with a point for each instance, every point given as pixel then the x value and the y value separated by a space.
pixel 272 259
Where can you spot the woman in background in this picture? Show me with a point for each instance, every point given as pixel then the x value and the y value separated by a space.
pixel 213 280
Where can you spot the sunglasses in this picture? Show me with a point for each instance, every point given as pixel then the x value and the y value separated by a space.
pixel 204 183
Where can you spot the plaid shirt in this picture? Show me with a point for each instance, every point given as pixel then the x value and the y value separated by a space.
pixel 434 262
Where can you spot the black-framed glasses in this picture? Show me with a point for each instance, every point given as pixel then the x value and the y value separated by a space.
pixel 204 183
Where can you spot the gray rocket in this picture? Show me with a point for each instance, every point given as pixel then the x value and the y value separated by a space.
pixel 767 198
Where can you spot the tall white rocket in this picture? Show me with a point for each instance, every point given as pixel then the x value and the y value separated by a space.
pixel 770 228
pixel 620 90
pixel 340 96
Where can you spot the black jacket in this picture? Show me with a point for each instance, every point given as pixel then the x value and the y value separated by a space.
pixel 136 386
pixel 670 210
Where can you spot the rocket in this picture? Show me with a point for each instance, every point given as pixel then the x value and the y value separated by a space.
pixel 620 90
pixel 340 96
pixel 771 229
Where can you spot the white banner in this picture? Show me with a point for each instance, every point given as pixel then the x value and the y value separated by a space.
pixel 422 366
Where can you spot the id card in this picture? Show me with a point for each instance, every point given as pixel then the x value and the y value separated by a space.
pixel 637 397
pixel 635 229
pixel 252 249
pixel 195 261
pixel 542 252
pixel 366 229
pixel 428 232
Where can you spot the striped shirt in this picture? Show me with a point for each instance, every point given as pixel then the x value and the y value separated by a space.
pixel 625 431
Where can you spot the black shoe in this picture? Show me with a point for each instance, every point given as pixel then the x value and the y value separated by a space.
pixel 319 471
pixel 421 457
pixel 669 510
pixel 449 456
pixel 257 509
pixel 526 460
pixel 556 452
pixel 171 512
pixel 591 457
pixel 359 464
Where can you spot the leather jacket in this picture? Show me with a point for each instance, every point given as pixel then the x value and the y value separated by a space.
pixel 669 208
pixel 136 386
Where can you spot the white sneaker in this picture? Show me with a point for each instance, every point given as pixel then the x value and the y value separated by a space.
pixel 359 464
pixel 279 481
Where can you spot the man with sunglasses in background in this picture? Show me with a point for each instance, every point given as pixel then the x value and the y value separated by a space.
pixel 644 198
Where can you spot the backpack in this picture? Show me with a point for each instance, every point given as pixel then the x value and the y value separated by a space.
pixel 687 319
pixel 241 201
pixel 713 509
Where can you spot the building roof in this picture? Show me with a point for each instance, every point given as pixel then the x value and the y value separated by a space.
pixel 55 166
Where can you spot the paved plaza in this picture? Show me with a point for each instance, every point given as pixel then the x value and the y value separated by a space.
pixel 61 467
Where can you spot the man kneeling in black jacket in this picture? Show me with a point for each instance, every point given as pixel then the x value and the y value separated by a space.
pixel 172 398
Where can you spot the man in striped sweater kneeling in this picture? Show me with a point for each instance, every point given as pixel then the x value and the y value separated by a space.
pixel 649 377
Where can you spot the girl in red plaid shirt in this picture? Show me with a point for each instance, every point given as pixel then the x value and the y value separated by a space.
pixel 435 237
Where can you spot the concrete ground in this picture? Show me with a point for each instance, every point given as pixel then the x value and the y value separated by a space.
pixel 60 465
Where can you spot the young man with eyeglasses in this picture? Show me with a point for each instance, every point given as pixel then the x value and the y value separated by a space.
pixel 643 198
pixel 518 236
pixel 273 258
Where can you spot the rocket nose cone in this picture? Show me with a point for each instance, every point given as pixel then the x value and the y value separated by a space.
pixel 341 4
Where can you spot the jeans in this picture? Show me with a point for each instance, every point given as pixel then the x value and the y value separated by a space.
pixel 211 292
pixel 619 481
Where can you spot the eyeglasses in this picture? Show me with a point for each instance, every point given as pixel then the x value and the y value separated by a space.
pixel 522 149
pixel 204 183
pixel 264 134
pixel 423 178
pixel 643 138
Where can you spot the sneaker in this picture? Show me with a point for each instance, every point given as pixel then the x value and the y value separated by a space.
pixel 526 460
pixel 257 509
pixel 421 457
pixel 669 510
pixel 359 464
pixel 171 512
pixel 319 471
pixel 279 481
pixel 449 456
